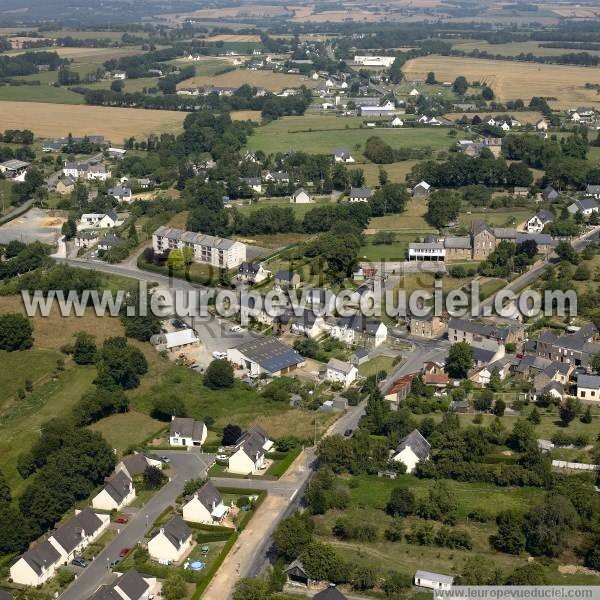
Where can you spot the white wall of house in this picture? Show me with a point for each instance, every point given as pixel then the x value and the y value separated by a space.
pixel 345 379
pixel 104 501
pixel 195 512
pixel 23 574
pixel 242 464
pixel 592 394
pixel 431 584
pixel 162 550
pixel 408 458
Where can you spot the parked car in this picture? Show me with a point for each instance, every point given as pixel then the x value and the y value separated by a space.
pixel 114 563
pixel 79 562
pixel 219 355
pixel 348 433
pixel 124 552
pixel 165 459
pixel 122 519
pixel 179 324
pixel 235 328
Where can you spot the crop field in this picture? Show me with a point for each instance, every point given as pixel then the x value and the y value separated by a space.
pixel 234 38
pixel 38 93
pixel 511 80
pixel 322 134
pixel 206 66
pixel 397 172
pixel 246 115
pixel 271 81
pixel 84 54
pixel 116 124
pixel 514 48
pixel 91 35
pixel 412 221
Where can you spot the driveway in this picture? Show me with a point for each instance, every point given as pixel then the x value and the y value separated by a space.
pixel 184 466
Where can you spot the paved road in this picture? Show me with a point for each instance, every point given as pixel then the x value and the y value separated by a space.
pixel 184 466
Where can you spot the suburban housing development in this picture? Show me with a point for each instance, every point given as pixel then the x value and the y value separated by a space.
pixel 299 300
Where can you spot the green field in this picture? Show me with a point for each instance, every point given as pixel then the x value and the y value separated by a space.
pixel 209 66
pixel 21 421
pixel 322 134
pixel 39 93
pixel 379 252
pixel 375 365
pixel 505 217
pixel 127 429
pixel 515 48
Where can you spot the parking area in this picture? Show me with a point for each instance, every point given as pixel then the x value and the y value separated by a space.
pixel 34 225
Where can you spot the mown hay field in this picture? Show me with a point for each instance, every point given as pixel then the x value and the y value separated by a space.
pixel 267 79
pixel 511 80
pixel 116 124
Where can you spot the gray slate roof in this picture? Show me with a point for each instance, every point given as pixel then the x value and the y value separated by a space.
pixel 209 496
pixel 361 192
pixel 431 576
pixel 118 486
pixel 135 463
pixel 132 583
pixel 331 593
pixel 41 556
pixel 174 234
pixel 176 531
pixel 187 427
pixel 589 381
pixel 251 442
pixel 69 535
pixel 417 443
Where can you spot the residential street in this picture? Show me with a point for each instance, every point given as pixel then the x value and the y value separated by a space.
pixel 250 553
pixel 186 465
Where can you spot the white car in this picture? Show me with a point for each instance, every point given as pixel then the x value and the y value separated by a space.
pixel 219 355
pixel 235 328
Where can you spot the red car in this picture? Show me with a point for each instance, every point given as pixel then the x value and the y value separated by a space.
pixel 124 552
pixel 121 520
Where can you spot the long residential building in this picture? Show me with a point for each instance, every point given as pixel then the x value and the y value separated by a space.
pixel 39 563
pixel 215 251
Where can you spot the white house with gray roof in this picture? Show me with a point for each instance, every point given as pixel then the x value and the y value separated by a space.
pixel 171 542
pixel 39 563
pixel 249 453
pixel 585 206
pixel 185 431
pixel 216 251
pixel 537 223
pixel 411 450
pixel 118 491
pixel 205 506
pixel 588 387
pixel 360 194
pixel 129 586
pixel 339 371
pixel 433 581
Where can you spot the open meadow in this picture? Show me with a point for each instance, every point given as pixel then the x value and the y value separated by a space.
pixel 321 134
pixel 116 124
pixel 511 80
pixel 267 79
pixel 83 54
pixel 514 48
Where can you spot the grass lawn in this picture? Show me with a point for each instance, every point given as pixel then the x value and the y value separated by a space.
pixel 505 217
pixel 322 134
pixel 397 172
pixel 375 365
pixel 39 93
pixel 412 220
pixel 380 252
pixel 240 404
pixel 126 429
pixel 20 429
pixel 17 367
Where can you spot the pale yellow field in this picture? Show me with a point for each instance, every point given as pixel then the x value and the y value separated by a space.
pixel 251 10
pixel 234 38
pixel 246 115
pixel 86 54
pixel 116 124
pixel 271 81
pixel 511 80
